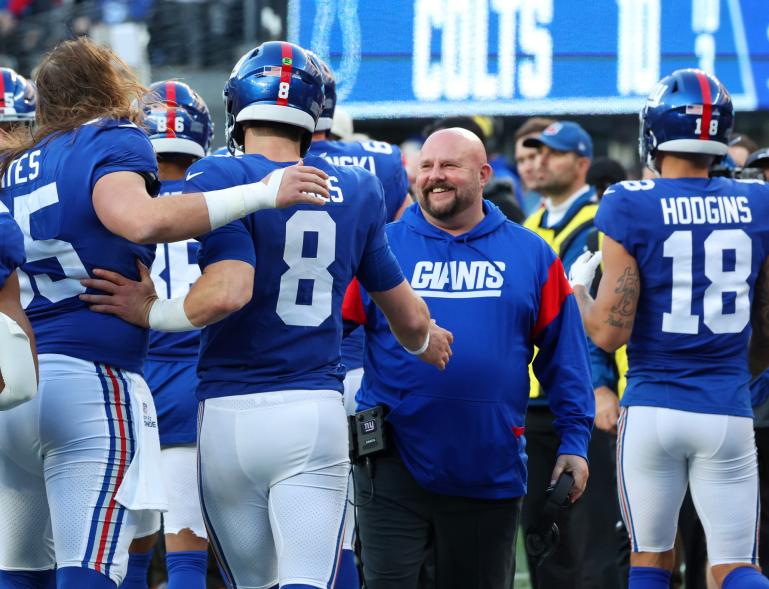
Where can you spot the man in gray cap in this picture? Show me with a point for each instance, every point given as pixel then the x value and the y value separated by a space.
pixel 588 553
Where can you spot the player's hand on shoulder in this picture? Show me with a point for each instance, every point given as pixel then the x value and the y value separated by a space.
pixel 438 351
pixel 577 467
pixel 299 184
pixel 128 299
pixel 606 410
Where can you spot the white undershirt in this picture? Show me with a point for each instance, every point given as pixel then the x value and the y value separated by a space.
pixel 556 212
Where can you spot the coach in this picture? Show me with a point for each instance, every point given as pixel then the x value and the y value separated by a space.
pixel 456 472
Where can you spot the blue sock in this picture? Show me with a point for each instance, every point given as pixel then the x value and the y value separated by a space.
pixel 649 578
pixel 347 573
pixel 745 578
pixel 187 569
pixel 28 579
pixel 82 578
pixel 138 567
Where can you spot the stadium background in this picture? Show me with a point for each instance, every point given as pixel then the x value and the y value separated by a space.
pixel 401 63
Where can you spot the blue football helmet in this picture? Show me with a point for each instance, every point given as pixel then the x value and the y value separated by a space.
pixel 18 96
pixel 329 93
pixel 689 111
pixel 275 82
pixel 178 120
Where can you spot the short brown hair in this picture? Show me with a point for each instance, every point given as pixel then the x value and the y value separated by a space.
pixel 78 81
pixel 532 126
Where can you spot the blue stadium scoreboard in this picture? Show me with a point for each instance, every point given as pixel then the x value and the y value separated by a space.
pixel 425 58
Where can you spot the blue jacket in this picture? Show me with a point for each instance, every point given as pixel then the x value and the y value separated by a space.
pixel 501 290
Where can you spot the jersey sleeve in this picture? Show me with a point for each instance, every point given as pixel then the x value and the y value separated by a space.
pixel 378 270
pixel 122 148
pixel 231 242
pixel 613 217
pixel 11 247
pixel 562 365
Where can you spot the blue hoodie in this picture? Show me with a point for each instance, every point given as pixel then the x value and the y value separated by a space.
pixel 501 290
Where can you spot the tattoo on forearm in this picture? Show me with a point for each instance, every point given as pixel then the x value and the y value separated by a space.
pixel 622 314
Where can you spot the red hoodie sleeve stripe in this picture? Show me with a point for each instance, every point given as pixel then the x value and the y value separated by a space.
pixel 554 293
pixel 352 305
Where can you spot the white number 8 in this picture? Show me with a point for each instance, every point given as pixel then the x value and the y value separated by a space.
pixel 283 90
pixel 307 268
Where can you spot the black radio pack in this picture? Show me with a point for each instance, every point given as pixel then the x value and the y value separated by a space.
pixel 367 432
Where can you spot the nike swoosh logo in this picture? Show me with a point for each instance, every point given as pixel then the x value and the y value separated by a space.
pixel 191 176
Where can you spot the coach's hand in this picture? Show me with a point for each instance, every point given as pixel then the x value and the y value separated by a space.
pixel 128 299
pixel 439 350
pixel 577 467
pixel 299 184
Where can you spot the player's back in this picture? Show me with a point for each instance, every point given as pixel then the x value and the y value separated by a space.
pixel 288 335
pixel 699 244
pixel 49 192
pixel 382 159
pixel 174 271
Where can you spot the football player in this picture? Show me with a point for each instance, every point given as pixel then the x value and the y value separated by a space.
pixel 75 462
pixel 18 378
pixel 18 100
pixel 180 130
pixel 684 282
pixel 385 161
pixel 272 437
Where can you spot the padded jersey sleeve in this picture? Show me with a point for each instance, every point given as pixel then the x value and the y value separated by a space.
pixel 122 147
pixel 11 247
pixel 613 216
pixel 378 270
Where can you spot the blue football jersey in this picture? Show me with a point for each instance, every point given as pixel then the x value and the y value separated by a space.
pixel 288 335
pixel 48 190
pixel 11 245
pixel 381 159
pixel 385 161
pixel 699 244
pixel 174 271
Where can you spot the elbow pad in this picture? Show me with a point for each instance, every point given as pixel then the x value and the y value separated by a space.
pixel 16 365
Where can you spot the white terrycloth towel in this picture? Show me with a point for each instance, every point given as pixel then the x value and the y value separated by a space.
pixel 141 488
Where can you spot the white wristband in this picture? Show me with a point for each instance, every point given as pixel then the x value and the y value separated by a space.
pixel 422 349
pixel 228 204
pixel 169 315
pixel 16 365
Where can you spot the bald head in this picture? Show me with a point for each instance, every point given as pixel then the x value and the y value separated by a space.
pixel 452 173
pixel 458 142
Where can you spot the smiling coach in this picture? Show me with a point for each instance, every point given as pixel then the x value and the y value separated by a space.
pixel 457 472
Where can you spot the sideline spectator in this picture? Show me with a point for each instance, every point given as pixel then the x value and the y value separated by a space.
pixel 526 161
pixel 501 290
pixel 740 148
